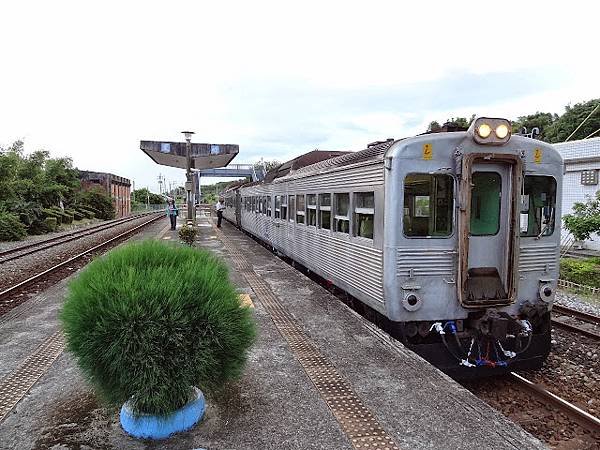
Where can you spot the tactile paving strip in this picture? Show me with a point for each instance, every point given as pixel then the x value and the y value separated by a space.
pixel 15 385
pixel 355 419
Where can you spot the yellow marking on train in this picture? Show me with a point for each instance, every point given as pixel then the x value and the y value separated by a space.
pixel 245 300
pixel 427 151
pixel 537 155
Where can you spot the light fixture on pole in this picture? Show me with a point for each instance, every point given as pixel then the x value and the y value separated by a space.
pixel 191 214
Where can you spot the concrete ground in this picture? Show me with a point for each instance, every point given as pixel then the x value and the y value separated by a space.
pixel 274 405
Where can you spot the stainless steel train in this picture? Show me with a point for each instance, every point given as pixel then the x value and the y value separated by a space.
pixel 452 238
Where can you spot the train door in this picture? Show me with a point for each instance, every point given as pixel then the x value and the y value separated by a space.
pixel 238 208
pixel 489 234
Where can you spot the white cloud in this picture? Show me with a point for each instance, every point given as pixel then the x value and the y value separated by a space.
pixel 279 78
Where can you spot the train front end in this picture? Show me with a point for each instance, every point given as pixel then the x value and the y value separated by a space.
pixel 471 264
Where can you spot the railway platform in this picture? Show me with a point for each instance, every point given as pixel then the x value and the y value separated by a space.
pixel 318 377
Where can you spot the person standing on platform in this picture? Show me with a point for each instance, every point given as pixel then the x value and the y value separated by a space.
pixel 172 213
pixel 220 206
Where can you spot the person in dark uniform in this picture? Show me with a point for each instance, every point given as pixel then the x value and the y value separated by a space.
pixel 220 206
pixel 172 213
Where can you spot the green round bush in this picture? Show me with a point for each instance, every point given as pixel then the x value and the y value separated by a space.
pixel 150 320
pixel 11 228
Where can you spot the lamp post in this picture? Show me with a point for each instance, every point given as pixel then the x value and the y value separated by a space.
pixel 191 214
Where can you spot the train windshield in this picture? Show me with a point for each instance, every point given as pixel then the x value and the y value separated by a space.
pixel 538 203
pixel 428 205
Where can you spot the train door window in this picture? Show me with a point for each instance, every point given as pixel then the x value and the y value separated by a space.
pixel 284 207
pixel 278 206
pixel 311 210
pixel 292 206
pixel 325 211
pixel 300 210
pixel 538 204
pixel 364 214
pixel 485 203
pixel 342 216
pixel 428 205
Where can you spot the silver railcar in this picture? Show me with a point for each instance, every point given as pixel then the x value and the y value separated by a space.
pixel 453 237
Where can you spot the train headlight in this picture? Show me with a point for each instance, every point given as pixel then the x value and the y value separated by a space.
pixel 412 301
pixel 501 131
pixel 490 131
pixel 484 130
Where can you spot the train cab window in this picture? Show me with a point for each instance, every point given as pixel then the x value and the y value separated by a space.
pixel 428 205
pixel 485 203
pixel 311 210
pixel 278 207
pixel 538 203
pixel 364 214
pixel 300 210
pixel 342 216
pixel 284 207
pixel 325 211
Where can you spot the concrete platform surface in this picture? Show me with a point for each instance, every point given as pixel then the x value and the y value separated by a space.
pixel 275 405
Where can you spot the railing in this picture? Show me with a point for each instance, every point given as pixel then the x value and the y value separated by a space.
pixel 580 287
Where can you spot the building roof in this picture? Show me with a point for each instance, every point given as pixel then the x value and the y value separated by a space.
pixel 579 151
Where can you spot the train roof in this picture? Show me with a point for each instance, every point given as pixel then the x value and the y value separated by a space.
pixel 374 151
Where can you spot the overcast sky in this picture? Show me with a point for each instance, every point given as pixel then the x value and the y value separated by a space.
pixel 278 78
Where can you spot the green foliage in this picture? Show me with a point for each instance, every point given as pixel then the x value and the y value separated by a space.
pixel 150 320
pixel 188 234
pixel 51 223
pixel 581 271
pixel 560 130
pixel 434 126
pixel 145 196
pixel 585 219
pixel 98 201
pixel 542 121
pixel 11 229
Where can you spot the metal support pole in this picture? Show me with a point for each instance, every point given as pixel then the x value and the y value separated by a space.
pixel 191 208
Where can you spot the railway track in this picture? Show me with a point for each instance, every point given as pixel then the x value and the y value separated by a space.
pixel 583 418
pixel 28 249
pixel 586 318
pixel 9 297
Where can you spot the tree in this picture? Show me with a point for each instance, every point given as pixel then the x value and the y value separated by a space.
pixel 566 124
pixel 461 121
pixel 144 196
pixel 542 120
pixel 434 126
pixel 268 165
pixel 585 219
pixel 98 200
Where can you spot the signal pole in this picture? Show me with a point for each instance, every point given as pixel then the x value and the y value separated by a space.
pixel 191 213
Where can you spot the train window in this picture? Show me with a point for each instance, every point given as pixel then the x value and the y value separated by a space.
pixel 485 203
pixel 428 205
pixel 292 206
pixel 284 207
pixel 364 214
pixel 538 204
pixel 341 216
pixel 278 206
pixel 300 210
pixel 268 205
pixel 325 211
pixel 311 210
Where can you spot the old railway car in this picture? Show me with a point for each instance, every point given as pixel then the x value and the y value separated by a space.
pixel 452 237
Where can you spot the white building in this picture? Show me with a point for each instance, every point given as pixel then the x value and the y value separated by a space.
pixel 582 164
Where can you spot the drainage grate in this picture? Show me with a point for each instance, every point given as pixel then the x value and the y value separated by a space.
pixel 15 385
pixel 355 419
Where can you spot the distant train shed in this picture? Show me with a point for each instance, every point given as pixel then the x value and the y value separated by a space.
pixel 117 187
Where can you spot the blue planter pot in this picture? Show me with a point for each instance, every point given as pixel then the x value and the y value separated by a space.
pixel 146 426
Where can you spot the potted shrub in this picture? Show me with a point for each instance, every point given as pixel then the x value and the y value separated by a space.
pixel 187 234
pixel 149 324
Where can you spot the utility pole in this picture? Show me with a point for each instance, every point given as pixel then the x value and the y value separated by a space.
pixel 191 212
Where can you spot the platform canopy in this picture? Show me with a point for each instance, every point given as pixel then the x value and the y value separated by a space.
pixel 204 156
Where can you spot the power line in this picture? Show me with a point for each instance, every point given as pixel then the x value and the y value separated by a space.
pixel 584 121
